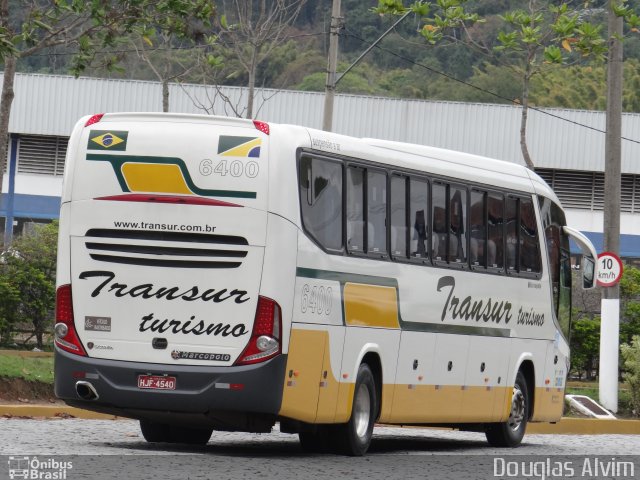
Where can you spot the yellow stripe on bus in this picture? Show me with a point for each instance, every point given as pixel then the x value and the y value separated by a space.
pixel 153 177
pixel 549 404
pixel 370 306
pixel 448 403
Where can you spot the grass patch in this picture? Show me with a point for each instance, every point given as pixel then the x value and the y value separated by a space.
pixel 35 369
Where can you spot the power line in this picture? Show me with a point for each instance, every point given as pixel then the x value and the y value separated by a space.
pixel 451 77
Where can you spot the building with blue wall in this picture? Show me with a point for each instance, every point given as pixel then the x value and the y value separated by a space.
pixel 567 146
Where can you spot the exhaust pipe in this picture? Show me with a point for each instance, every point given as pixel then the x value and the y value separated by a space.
pixel 86 391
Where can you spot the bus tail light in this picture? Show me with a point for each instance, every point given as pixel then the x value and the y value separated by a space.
pixel 94 119
pixel 265 337
pixel 262 126
pixel 65 330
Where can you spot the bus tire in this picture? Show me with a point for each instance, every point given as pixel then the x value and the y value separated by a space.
pixel 511 432
pixel 354 437
pixel 190 435
pixel 154 432
pixel 161 432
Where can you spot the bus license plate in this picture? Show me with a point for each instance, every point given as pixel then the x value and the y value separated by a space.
pixel 156 382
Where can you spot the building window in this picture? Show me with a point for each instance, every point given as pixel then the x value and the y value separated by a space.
pixel 42 154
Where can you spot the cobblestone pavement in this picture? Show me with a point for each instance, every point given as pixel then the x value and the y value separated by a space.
pixel 116 449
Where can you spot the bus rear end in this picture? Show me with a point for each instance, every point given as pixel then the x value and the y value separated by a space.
pixel 159 314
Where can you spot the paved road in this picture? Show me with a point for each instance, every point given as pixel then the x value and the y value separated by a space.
pixel 116 449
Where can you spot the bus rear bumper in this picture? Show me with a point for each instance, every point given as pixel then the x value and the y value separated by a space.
pixel 244 398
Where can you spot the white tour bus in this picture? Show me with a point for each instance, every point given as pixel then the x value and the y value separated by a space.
pixel 228 274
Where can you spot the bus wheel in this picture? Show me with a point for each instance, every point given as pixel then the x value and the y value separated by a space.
pixel 161 432
pixel 154 432
pixel 510 433
pixel 353 438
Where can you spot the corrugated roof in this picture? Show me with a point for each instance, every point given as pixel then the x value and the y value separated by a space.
pixel 51 104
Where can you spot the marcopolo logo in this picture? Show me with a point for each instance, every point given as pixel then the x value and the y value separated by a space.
pixel 214 357
pixel 35 468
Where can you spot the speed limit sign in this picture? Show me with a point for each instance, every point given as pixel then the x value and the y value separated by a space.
pixel 609 269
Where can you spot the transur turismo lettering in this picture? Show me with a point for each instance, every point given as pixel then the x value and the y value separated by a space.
pixel 468 308
pixel 149 290
pixel 149 323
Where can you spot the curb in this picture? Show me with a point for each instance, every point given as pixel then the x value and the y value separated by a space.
pixel 586 426
pixel 566 426
pixel 51 411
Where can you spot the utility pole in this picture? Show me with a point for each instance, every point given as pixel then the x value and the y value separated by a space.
pixel 610 310
pixel 332 64
pixel 332 77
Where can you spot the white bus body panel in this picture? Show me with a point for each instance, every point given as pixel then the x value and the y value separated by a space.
pixel 191 274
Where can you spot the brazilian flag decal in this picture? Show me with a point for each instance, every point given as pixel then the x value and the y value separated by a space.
pixel 107 140
pixel 232 146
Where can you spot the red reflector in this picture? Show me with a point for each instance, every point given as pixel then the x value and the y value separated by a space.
pixel 262 126
pixel 267 323
pixel 186 200
pixel 264 317
pixel 64 305
pixel 94 119
pixel 236 386
pixel 64 314
pixel 79 374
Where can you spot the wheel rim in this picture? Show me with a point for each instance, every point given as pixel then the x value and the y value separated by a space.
pixel 516 416
pixel 362 411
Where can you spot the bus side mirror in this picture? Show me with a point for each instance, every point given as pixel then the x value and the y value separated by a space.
pixel 589 255
pixel 588 272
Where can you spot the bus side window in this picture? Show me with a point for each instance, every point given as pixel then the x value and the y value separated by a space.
pixel 321 201
pixel 478 230
pixel 495 223
pixel 457 224
pixel 440 235
pixel 529 247
pixel 399 216
pixel 512 233
pixel 376 212
pixel 355 209
pixel 418 201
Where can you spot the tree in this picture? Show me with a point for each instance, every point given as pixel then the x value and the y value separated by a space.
pixel 631 362
pixel 28 27
pixel 251 30
pixel 529 39
pixel 9 297
pixel 155 47
pixel 630 304
pixel 585 346
pixel 29 269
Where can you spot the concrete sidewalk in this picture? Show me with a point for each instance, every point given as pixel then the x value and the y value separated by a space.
pixel 567 426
